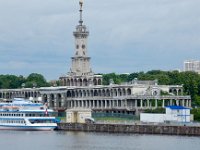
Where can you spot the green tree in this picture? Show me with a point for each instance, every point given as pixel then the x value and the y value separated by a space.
pixel 108 77
pixel 11 81
pixel 196 113
pixel 132 76
pixel 36 80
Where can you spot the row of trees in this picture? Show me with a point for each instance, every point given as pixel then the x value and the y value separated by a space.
pixel 13 82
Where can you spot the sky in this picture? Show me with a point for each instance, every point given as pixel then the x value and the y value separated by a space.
pixel 125 35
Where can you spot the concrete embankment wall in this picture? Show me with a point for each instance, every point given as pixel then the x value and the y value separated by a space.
pixel 139 129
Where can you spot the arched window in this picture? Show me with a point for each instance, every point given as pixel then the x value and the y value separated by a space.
pixel 95 81
pixel 128 91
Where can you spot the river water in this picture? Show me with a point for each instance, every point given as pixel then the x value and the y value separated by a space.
pixel 59 140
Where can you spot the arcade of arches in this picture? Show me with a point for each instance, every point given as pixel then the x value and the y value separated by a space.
pixel 69 81
pixel 98 98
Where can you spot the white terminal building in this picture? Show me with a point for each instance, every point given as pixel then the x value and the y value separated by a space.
pixel 173 114
pixel 192 65
pixel 82 88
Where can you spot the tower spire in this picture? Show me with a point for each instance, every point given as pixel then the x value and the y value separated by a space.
pixel 81 10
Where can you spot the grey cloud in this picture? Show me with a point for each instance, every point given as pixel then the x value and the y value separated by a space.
pixel 134 34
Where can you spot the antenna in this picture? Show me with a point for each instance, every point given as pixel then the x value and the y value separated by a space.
pixel 81 10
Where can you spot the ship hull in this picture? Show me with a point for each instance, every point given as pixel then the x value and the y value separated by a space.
pixel 28 128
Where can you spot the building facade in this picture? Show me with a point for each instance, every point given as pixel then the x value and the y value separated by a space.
pixel 173 114
pixel 82 89
pixel 192 65
pixel 126 98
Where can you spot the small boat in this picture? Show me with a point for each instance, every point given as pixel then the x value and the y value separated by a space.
pixel 22 114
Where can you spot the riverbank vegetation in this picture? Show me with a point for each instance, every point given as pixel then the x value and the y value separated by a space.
pixel 14 82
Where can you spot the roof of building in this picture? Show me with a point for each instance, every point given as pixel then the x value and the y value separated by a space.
pixel 177 107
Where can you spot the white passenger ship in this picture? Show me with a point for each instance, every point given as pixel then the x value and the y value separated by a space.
pixel 22 114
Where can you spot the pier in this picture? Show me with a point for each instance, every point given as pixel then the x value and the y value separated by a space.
pixel 133 129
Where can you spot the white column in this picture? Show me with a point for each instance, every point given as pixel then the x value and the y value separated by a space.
pixel 135 103
pixel 55 100
pixel 71 104
pixel 63 101
pixel 48 100
pixel 177 102
pixel 148 103
pixel 187 103
pixel 171 102
pixel 190 103
pixel 141 103
pixel 156 103
pixel 163 103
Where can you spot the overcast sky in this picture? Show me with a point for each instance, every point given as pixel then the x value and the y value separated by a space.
pixel 125 35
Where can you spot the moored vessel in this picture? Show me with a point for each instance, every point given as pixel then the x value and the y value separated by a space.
pixel 22 114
